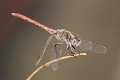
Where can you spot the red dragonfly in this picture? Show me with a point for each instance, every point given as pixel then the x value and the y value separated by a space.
pixel 72 40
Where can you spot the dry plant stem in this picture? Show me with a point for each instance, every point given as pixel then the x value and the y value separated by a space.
pixel 50 62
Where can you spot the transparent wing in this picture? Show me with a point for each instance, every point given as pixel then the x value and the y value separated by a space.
pixel 55 66
pixel 91 46
pixel 46 45
pixel 55 54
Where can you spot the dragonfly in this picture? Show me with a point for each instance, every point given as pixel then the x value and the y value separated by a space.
pixel 71 40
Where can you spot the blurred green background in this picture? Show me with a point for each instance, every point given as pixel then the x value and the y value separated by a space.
pixel 21 42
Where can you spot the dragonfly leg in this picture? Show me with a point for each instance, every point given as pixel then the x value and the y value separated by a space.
pixel 67 48
pixel 72 50
pixel 75 49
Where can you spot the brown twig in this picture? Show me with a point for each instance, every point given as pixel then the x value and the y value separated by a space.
pixel 50 62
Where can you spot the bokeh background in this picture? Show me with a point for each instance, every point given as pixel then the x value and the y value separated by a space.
pixel 21 42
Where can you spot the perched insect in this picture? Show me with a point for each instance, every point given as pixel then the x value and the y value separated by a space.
pixel 72 40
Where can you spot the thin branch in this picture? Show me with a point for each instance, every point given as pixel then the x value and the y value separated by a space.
pixel 53 61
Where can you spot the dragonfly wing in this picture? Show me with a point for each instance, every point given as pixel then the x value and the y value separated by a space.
pixel 55 54
pixel 92 46
pixel 88 45
pixel 46 45
pixel 55 66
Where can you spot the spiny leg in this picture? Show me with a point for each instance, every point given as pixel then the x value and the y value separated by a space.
pixel 72 51
pixel 75 48
pixel 46 45
pixel 67 48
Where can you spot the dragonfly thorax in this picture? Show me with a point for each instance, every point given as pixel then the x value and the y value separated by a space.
pixel 67 37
